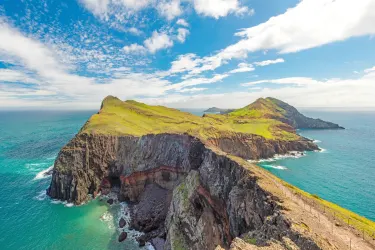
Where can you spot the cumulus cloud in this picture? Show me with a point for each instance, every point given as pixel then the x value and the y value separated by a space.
pixel 182 33
pixel 269 62
pixel 134 48
pixel 218 8
pixel 243 67
pixel 169 9
pixel 158 41
pixel 182 22
pixel 135 31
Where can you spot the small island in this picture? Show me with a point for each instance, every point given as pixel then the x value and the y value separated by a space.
pixel 218 110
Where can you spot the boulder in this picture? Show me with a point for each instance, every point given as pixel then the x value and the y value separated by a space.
pixel 122 223
pixel 122 236
pixel 110 201
pixel 141 242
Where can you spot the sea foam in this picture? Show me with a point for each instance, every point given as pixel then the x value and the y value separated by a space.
pixel 275 167
pixel 43 174
pixel 291 154
pixel 42 195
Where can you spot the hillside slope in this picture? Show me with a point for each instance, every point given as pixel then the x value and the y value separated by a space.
pixel 272 108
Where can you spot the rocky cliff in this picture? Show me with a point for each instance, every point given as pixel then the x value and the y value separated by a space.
pixel 208 199
pixel 187 190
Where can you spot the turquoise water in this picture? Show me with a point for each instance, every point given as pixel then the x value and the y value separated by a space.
pixel 29 144
pixel 30 141
pixel 344 172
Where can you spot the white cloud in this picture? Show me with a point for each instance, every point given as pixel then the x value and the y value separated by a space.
pixel 369 70
pixel 123 10
pixel 134 48
pixel 59 84
pixel 301 81
pixel 218 8
pixel 245 11
pixel 184 63
pixel 154 43
pixel 243 67
pixel 349 93
pixel 98 7
pixel 195 65
pixel 135 31
pixel 269 62
pixel 8 75
pixel 310 24
pixel 133 4
pixel 191 90
pixel 169 9
pixel 182 33
pixel 158 41
pixel 182 22
pixel 197 81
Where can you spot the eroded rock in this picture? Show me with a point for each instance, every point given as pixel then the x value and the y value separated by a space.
pixel 122 223
pixel 122 236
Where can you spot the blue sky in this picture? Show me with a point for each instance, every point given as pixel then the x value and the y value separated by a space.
pixel 187 53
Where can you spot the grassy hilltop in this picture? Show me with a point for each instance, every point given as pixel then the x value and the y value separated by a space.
pixel 133 118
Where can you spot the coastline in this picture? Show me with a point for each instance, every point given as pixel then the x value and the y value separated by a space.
pixel 293 154
pixel 336 214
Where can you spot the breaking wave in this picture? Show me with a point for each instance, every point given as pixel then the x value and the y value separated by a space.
pixel 275 167
pixel 291 154
pixel 43 174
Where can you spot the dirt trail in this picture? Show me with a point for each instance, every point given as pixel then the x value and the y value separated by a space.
pixel 313 222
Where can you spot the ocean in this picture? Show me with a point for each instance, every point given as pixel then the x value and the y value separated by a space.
pixel 30 141
pixel 344 171
pixel 29 144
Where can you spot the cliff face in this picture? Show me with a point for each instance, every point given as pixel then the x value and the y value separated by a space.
pixel 208 199
pixel 256 147
pixel 84 162
pixel 80 167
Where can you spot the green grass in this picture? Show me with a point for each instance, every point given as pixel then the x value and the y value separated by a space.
pixel 359 222
pixel 249 240
pixel 133 118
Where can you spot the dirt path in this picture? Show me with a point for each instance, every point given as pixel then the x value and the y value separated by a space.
pixel 328 233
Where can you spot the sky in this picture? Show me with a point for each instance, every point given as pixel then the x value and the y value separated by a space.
pixel 186 53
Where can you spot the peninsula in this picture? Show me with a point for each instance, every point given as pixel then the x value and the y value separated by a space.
pixel 188 178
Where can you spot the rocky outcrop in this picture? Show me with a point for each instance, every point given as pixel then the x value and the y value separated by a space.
pixel 297 120
pixel 221 201
pixel 80 167
pixel 149 214
pixel 257 147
